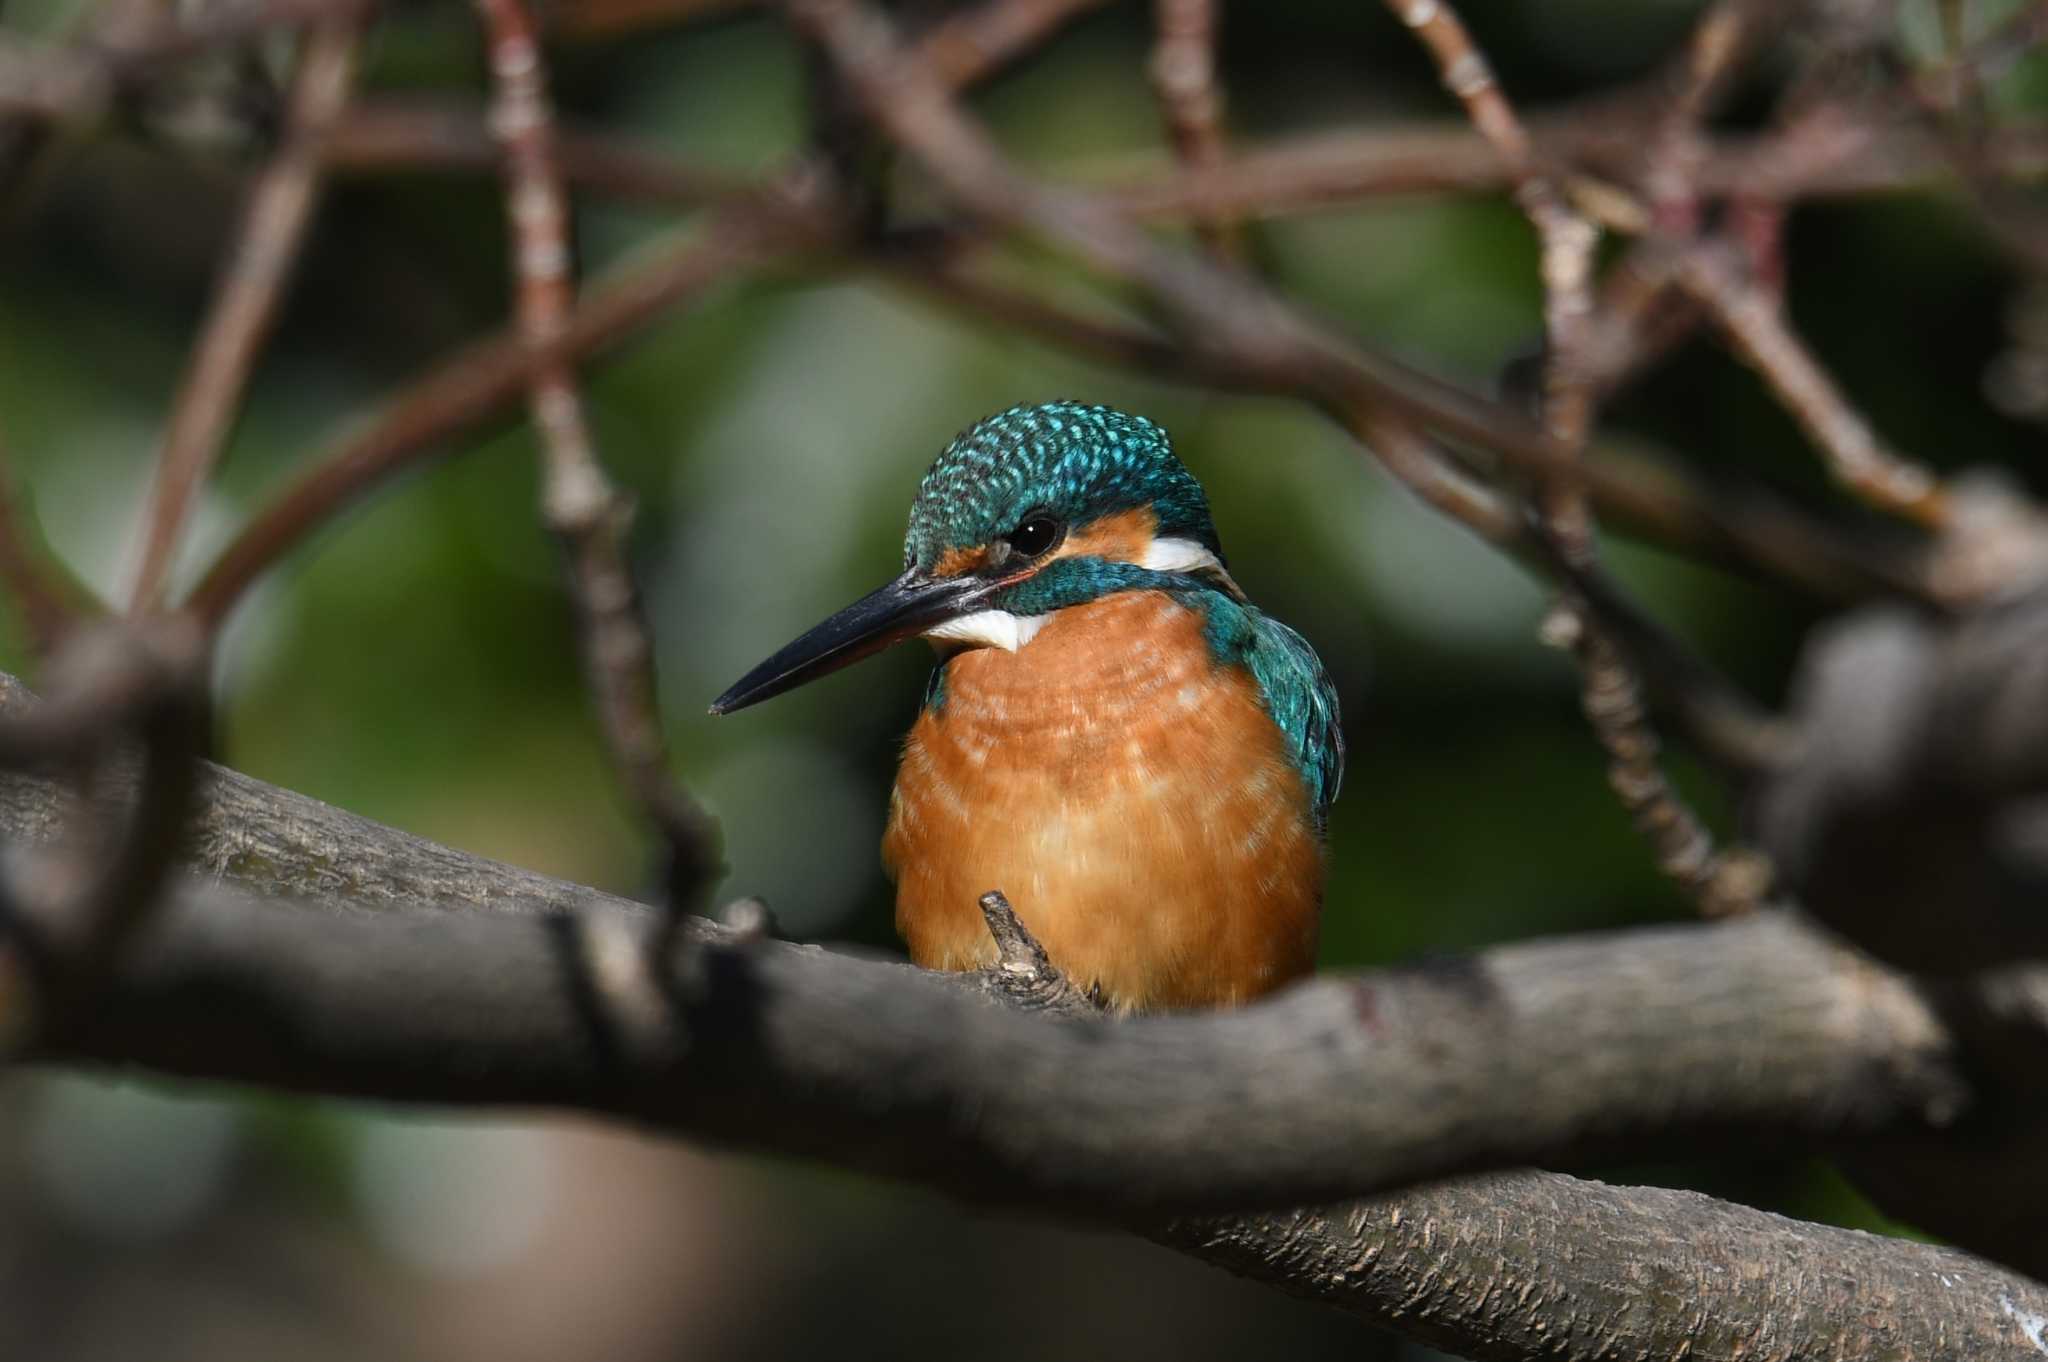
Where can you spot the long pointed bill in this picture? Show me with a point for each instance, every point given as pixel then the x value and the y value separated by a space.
pixel 903 609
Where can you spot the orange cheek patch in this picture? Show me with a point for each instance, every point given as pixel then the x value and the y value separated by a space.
pixel 1121 538
pixel 957 562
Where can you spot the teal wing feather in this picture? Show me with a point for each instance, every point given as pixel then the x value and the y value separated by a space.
pixel 1297 691
pixel 1303 701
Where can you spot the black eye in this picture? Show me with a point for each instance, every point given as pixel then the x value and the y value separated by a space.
pixel 1036 535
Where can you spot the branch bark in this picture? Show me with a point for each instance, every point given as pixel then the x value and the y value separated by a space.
pixel 401 970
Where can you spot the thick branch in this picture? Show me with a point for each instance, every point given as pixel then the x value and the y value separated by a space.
pixel 1498 1268
pixel 1658 1043
pixel 541 995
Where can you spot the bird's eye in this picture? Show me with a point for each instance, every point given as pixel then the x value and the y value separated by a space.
pixel 1036 535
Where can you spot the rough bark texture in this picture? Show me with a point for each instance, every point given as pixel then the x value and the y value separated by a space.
pixel 1499 1267
pixel 397 969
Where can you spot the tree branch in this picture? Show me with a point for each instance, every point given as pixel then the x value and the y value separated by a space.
pixel 251 289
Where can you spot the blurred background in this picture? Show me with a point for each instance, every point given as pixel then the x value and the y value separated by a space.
pixel 416 664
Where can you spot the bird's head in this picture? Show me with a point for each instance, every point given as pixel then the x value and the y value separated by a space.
pixel 1029 511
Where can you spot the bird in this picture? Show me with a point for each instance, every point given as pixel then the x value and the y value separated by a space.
pixel 1113 736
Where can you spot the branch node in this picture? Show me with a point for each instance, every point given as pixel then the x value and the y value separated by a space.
pixel 750 920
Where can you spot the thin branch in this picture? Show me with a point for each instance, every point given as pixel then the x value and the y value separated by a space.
pixel 1183 71
pixel 415 134
pixel 1220 314
pixel 971 44
pixel 786 216
pixel 580 504
pixel 245 303
pixel 477 383
pixel 1611 691
pixel 1754 321
pixel 1712 55
pixel 1659 502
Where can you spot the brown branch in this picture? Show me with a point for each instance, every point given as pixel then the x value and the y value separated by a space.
pixel 876 1067
pixel 476 384
pixel 1611 690
pixel 1223 318
pixel 1497 1269
pixel 972 44
pixel 580 504
pixel 416 134
pixel 245 304
pixel 409 971
pixel 1758 1030
pixel 1183 71
pixel 1754 321
pixel 1658 502
pixel 789 215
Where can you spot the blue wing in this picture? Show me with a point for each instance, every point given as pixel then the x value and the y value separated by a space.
pixel 1296 689
pixel 1302 700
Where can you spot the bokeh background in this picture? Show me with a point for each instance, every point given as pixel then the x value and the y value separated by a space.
pixel 415 663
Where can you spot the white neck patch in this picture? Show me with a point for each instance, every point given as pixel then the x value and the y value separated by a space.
pixel 1178 555
pixel 988 629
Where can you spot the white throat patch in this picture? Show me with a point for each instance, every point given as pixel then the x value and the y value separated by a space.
pixel 1001 629
pixel 988 629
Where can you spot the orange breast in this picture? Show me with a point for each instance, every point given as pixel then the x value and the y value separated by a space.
pixel 1131 798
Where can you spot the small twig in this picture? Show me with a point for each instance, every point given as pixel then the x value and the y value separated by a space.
pixel 1721 883
pixel 578 501
pixel 1023 974
pixel 1754 321
pixel 476 383
pixel 974 43
pixel 1183 71
pixel 1712 55
pixel 413 134
pixel 245 304
pixel 783 217
pixel 1407 454
pixel 1611 690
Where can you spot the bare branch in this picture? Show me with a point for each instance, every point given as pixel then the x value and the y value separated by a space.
pixel 1496 1268
pixel 972 44
pixel 415 134
pixel 1755 324
pixel 474 385
pixel 471 985
pixel 245 304
pixel 1183 70
pixel 585 511
pixel 1680 842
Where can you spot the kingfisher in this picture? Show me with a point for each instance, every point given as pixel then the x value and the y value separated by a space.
pixel 1114 736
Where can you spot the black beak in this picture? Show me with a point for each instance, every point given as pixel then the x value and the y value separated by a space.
pixel 906 607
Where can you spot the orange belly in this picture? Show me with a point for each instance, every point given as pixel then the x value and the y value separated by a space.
pixel 1131 798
